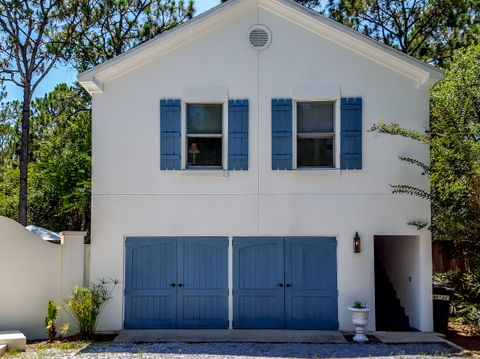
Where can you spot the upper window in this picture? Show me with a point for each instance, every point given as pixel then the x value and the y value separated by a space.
pixel 204 135
pixel 315 134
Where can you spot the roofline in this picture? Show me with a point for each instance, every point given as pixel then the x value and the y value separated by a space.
pixel 88 77
pixel 380 45
pixel 426 75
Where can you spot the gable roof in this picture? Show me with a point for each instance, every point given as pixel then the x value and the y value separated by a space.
pixel 425 75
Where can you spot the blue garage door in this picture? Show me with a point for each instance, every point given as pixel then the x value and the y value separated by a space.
pixel 285 282
pixel 175 282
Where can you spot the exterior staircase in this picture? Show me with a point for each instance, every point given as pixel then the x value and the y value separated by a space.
pixel 390 315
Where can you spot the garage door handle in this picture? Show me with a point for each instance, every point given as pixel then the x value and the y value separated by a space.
pixel 288 285
pixel 172 284
pixel 180 284
pixel 280 285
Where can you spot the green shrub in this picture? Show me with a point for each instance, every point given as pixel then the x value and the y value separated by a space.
pixel 86 304
pixel 465 304
pixel 52 313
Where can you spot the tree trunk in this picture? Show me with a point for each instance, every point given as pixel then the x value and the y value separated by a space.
pixel 22 204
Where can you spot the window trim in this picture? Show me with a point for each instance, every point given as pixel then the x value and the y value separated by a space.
pixel 336 134
pixel 183 134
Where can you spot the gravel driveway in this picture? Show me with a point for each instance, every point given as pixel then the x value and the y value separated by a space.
pixel 247 350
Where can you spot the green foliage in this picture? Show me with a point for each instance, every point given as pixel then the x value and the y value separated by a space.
pixel 455 151
pixel 59 151
pixel 411 190
pixel 395 129
pixel 111 27
pixel 454 172
pixel 359 305
pixel 86 305
pixel 34 37
pixel 52 313
pixel 430 30
pixel 465 304
pixel 60 155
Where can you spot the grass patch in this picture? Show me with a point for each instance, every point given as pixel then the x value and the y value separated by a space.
pixel 41 348
pixel 63 345
pixel 12 353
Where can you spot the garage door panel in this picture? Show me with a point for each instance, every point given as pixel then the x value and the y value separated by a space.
pixel 203 282
pixel 259 311
pixel 311 290
pixel 258 274
pixel 149 312
pixel 311 312
pixel 150 269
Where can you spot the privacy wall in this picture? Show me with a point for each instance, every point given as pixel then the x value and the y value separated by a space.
pixel 33 272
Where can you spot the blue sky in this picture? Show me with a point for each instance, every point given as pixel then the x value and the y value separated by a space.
pixel 68 75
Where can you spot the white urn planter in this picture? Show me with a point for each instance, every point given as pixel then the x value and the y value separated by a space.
pixel 360 320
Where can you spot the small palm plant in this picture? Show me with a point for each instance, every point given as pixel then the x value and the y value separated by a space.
pixel 86 304
pixel 52 313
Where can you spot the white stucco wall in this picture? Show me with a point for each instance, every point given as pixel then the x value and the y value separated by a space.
pixel 131 196
pixel 33 271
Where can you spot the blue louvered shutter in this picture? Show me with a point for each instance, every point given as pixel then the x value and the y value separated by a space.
pixel 238 134
pixel 170 146
pixel 281 134
pixel 351 133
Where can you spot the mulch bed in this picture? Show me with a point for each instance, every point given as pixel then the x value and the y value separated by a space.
pixel 464 336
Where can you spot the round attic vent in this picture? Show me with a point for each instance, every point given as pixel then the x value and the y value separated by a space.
pixel 259 37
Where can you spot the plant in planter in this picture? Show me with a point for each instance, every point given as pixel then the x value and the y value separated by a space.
pixel 360 320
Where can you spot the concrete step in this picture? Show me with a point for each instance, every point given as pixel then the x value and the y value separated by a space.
pixel 3 349
pixel 13 339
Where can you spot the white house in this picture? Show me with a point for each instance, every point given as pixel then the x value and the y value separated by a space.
pixel 232 169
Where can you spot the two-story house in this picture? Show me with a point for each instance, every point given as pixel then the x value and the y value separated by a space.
pixel 233 169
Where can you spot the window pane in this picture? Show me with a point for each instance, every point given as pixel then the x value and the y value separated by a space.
pixel 314 117
pixel 315 152
pixel 204 118
pixel 204 151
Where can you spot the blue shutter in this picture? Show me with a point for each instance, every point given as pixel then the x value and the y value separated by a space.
pixel 170 134
pixel 351 133
pixel 238 134
pixel 281 134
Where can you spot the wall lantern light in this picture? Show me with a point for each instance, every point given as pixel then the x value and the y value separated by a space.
pixel 356 243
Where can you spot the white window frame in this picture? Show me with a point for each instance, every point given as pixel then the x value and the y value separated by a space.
pixel 336 134
pixel 183 125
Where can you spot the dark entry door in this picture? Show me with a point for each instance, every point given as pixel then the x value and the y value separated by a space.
pixel 176 282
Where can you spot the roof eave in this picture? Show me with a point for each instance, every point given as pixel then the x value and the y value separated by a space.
pixel 425 75
pixel 92 79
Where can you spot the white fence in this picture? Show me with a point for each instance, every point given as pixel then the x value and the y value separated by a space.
pixel 32 271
